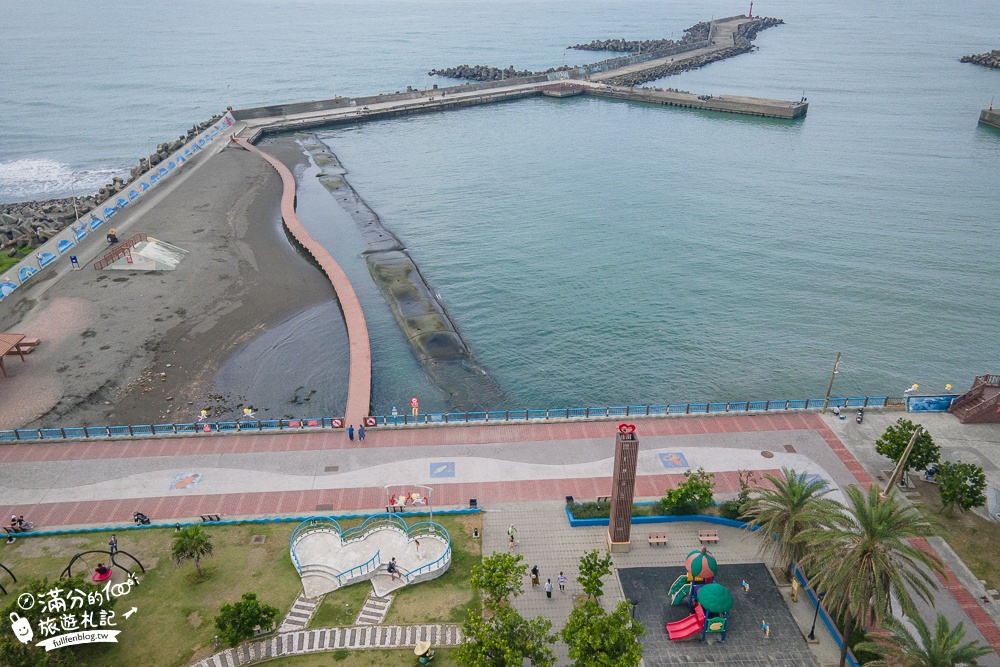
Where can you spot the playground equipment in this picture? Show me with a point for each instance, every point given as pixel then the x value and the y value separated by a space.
pixel 710 602
pixel 701 568
pixel 96 573
pixel 7 570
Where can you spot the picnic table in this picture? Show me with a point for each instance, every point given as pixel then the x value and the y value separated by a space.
pixel 10 342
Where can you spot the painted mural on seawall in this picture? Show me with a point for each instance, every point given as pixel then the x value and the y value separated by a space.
pixel 62 243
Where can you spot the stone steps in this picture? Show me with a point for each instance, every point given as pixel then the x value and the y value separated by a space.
pixel 330 639
pixel 374 610
pixel 300 613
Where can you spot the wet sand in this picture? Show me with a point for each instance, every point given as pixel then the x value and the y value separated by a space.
pixel 127 347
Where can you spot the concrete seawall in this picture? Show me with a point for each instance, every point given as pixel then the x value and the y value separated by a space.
pixel 750 106
pixel 990 117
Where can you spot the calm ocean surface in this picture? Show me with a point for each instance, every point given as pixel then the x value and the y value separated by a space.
pixel 595 252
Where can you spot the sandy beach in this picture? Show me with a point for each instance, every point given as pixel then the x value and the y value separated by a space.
pixel 127 347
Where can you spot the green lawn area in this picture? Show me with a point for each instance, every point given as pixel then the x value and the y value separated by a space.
pixel 174 622
pixel 343 658
pixel 7 262
pixel 975 539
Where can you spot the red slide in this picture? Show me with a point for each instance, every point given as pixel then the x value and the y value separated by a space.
pixel 687 627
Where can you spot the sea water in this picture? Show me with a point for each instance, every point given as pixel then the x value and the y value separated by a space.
pixel 596 252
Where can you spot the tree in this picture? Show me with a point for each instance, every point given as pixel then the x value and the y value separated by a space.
pixel 599 639
pixel 895 439
pixel 944 648
pixel 780 512
pixel 505 638
pixel 733 509
pixel 500 576
pixel 92 601
pixel 239 621
pixel 691 495
pixel 191 542
pixel 860 558
pixel 593 568
pixel 961 484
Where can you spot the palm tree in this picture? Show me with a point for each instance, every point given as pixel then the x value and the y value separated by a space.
pixel 861 559
pixel 942 649
pixel 191 542
pixel 780 514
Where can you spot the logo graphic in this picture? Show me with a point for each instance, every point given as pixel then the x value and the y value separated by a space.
pixel 626 428
pixel 673 460
pixel 21 627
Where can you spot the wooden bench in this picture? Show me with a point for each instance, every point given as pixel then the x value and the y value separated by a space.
pixel 208 518
pixel 658 539
pixel 603 499
pixel 708 536
pixel 390 509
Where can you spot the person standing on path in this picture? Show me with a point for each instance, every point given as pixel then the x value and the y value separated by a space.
pixel 548 588
pixel 350 432
pixel 113 544
pixel 534 576
pixel 562 582
pixel 510 543
pixel 361 433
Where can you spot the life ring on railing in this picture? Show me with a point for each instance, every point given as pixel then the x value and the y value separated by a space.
pixel 370 421
pixel 337 423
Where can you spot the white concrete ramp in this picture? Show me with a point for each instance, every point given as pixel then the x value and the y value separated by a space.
pixel 328 558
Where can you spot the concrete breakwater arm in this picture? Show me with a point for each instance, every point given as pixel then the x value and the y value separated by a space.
pixel 442 351
pixel 359 388
pixel 989 59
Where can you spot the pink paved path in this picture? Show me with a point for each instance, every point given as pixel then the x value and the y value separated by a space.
pixel 359 385
pixel 340 500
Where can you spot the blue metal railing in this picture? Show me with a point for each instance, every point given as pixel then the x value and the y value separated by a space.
pixel 371 524
pixel 422 529
pixel 625 411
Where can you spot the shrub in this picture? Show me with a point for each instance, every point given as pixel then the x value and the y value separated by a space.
pixel 692 495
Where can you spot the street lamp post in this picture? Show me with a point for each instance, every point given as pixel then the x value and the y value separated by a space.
pixel 812 630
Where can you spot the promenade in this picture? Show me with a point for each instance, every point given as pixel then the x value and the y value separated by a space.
pixel 508 468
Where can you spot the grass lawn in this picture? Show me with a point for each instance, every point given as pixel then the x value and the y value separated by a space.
pixel 975 539
pixel 7 262
pixel 344 658
pixel 174 623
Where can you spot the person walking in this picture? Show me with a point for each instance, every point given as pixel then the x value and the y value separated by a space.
pixel 361 433
pixel 562 582
pixel 548 588
pixel 510 543
pixel 534 576
pixel 511 532
pixel 350 432
pixel 113 544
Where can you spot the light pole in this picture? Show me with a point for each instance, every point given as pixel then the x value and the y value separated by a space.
pixel 812 630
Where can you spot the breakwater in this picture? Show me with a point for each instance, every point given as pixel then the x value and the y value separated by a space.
pixel 705 42
pixel 431 333
pixel 28 225
pixel 990 117
pixel 988 59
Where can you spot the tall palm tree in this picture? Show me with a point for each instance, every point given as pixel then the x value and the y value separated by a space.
pixel 861 559
pixel 191 542
pixel 943 648
pixel 780 514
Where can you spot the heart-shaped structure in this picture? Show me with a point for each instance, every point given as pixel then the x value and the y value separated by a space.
pixel 328 557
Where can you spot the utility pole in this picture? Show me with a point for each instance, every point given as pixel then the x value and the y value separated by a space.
pixel 901 466
pixel 829 388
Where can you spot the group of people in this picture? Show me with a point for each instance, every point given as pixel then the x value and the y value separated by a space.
pixel 350 433
pixel 18 524
pixel 535 580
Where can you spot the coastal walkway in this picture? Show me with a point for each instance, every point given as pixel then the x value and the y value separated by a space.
pixel 359 388
pixel 301 474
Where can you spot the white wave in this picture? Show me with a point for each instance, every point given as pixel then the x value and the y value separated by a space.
pixel 44 178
